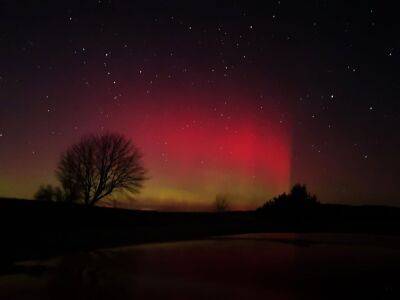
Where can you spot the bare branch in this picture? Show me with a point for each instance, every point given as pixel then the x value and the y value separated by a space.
pixel 98 165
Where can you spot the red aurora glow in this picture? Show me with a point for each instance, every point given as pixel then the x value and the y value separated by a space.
pixel 197 152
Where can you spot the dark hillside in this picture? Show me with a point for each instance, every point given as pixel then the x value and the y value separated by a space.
pixel 33 229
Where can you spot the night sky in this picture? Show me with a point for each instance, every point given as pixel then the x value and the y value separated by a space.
pixel 227 98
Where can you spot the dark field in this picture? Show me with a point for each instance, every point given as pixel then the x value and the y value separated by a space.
pixel 56 251
pixel 251 266
pixel 32 229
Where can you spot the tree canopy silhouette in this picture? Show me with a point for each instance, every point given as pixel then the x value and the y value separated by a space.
pixel 298 198
pixel 98 165
pixel 49 193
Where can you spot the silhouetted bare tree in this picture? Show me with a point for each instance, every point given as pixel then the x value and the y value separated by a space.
pixel 98 165
pixel 221 203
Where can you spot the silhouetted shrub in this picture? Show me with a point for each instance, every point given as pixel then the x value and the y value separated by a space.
pixel 298 198
pixel 49 193
pixel 221 203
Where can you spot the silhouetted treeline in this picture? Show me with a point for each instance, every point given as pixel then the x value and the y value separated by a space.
pixel 298 199
pixel 300 211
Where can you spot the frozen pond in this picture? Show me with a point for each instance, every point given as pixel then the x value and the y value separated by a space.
pixel 251 266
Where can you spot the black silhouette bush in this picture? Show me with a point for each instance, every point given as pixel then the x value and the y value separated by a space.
pixel 298 198
pixel 221 203
pixel 49 193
